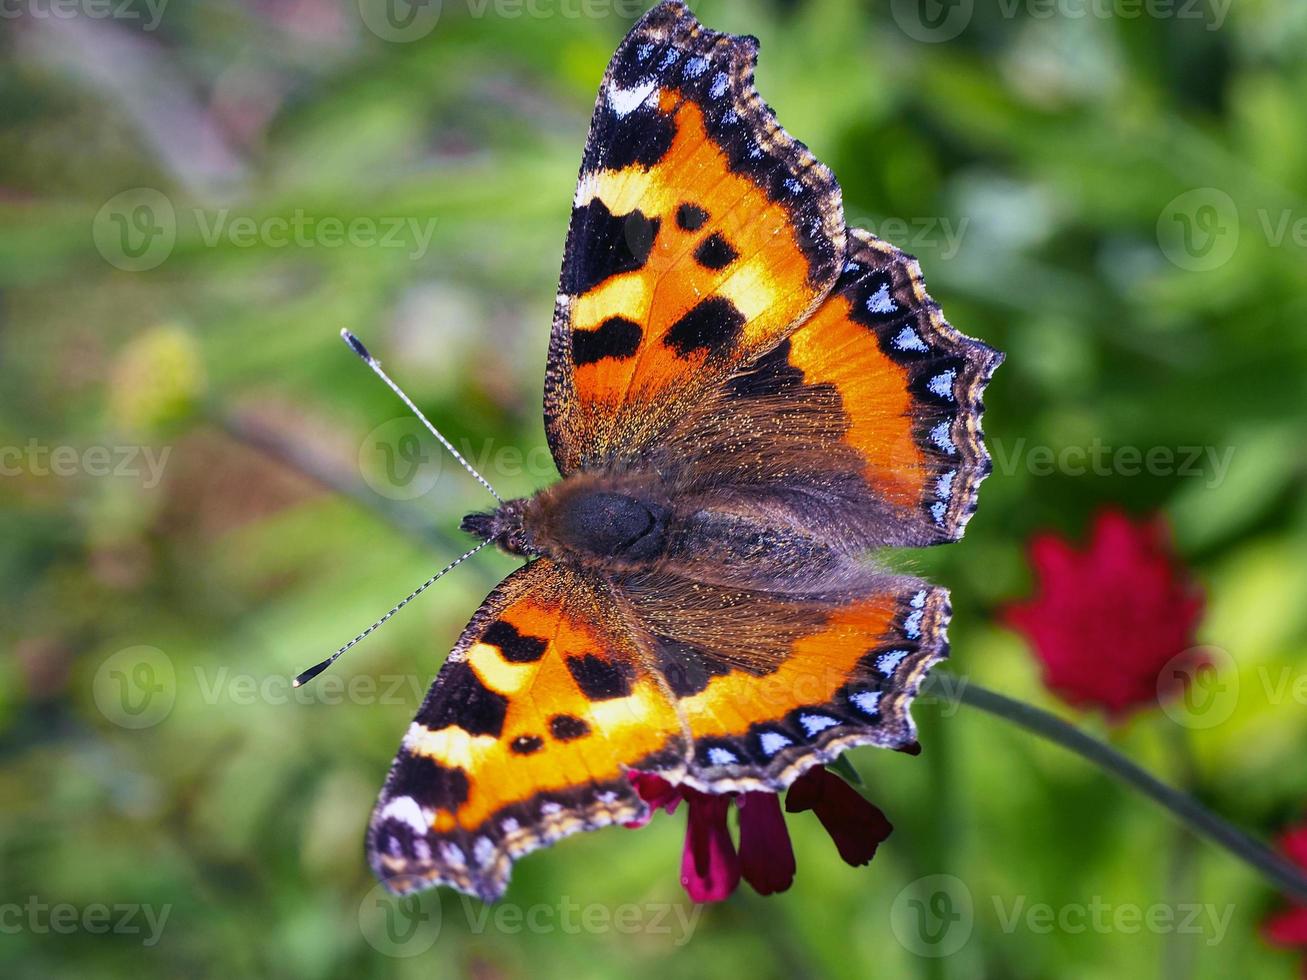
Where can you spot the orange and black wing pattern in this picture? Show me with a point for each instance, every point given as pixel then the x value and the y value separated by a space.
pixel 701 233
pixel 863 424
pixel 524 737
pixel 771 683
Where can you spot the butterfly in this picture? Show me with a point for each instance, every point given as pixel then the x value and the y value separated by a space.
pixel 744 399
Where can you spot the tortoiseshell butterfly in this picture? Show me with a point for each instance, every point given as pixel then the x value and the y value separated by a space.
pixel 744 398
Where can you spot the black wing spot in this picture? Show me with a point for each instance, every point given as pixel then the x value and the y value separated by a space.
pixel 606 245
pixel 527 744
pixel 691 217
pixel 459 698
pixel 715 252
pixel 514 646
pixel 599 679
pixel 565 728
pixel 688 669
pixel 641 138
pixel 432 785
pixel 711 325
pixel 616 337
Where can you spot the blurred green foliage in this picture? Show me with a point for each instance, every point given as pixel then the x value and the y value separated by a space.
pixel 1118 202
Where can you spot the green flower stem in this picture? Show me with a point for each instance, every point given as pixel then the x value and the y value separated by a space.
pixel 1203 822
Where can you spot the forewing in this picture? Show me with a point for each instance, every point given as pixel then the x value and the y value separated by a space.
pixel 524 737
pixel 700 234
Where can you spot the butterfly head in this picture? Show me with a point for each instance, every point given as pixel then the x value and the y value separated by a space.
pixel 505 526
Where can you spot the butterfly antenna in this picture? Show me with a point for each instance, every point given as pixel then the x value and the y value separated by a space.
pixel 317 669
pixel 357 347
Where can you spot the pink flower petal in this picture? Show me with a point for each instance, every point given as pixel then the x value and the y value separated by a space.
pixel 1294 845
pixel 1288 928
pixel 766 857
pixel 710 870
pixel 855 824
pixel 655 791
pixel 1106 621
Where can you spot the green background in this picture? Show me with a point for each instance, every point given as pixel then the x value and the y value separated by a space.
pixel 1113 194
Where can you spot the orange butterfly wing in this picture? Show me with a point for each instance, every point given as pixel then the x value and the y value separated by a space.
pixel 910 388
pixel 524 737
pixel 700 234
pixel 772 683
pixel 863 426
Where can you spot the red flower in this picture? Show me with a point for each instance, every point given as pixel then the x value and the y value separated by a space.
pixel 1106 620
pixel 1289 928
pixel 711 867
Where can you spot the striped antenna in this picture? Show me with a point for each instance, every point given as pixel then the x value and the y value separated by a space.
pixel 357 347
pixel 317 669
